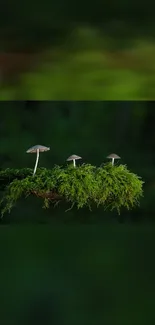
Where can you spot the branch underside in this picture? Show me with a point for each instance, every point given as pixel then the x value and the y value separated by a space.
pixel 48 195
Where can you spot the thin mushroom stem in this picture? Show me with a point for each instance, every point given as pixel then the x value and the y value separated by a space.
pixel 113 159
pixel 74 164
pixel 36 164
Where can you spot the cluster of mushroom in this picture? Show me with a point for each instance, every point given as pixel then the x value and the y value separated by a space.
pixel 38 148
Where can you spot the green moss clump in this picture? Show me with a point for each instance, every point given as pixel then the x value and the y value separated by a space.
pixel 8 175
pixel 113 187
pixel 118 187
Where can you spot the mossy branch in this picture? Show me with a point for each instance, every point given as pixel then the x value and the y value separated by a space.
pixel 113 187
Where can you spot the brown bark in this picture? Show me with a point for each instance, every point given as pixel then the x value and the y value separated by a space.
pixel 48 195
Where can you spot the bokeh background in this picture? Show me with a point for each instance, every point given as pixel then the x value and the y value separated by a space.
pixel 78 267
pixel 77 51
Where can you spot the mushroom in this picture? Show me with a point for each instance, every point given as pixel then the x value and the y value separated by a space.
pixel 74 157
pixel 113 156
pixel 36 149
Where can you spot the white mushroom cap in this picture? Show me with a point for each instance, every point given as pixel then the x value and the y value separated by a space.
pixel 73 157
pixel 114 156
pixel 35 148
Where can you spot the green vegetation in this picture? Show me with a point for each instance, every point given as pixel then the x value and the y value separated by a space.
pixel 89 65
pixel 97 73
pixel 113 187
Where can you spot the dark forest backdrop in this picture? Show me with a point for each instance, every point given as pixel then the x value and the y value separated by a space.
pixel 30 26
pixel 77 51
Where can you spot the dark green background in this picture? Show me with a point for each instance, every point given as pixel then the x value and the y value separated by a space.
pixel 77 51
pixel 36 25
pixel 78 267
pixel 77 274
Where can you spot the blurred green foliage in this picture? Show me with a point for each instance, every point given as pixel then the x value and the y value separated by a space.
pixel 36 25
pixel 89 65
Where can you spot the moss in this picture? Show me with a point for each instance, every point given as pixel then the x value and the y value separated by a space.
pixel 113 187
